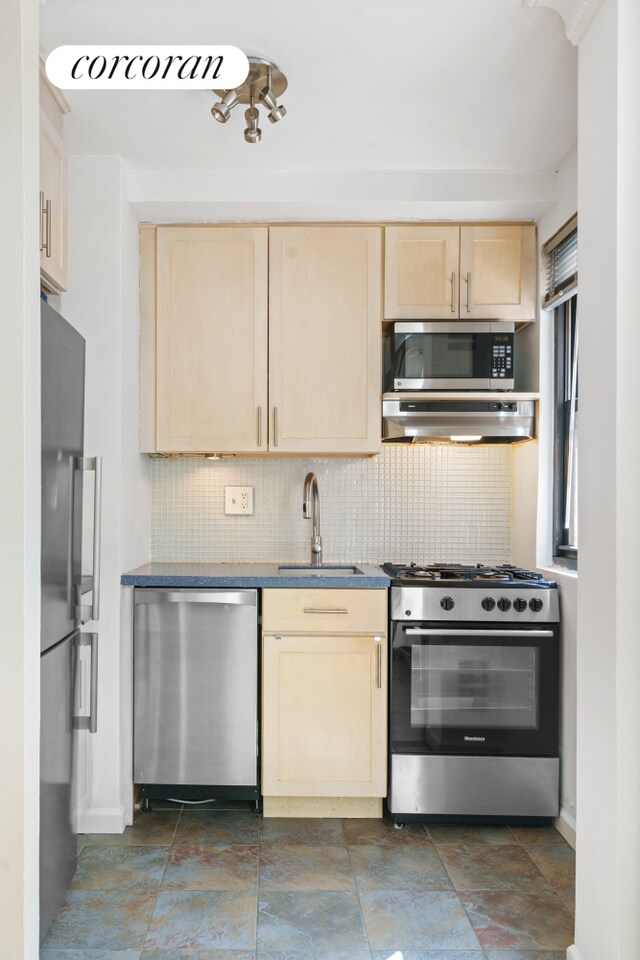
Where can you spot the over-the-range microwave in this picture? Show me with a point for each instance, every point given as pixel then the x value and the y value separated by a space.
pixel 453 356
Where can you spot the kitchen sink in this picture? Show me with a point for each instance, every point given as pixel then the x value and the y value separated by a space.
pixel 326 570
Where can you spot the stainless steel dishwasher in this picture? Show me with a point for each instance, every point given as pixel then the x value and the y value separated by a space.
pixel 195 693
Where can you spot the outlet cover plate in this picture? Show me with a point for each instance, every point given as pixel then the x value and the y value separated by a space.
pixel 238 500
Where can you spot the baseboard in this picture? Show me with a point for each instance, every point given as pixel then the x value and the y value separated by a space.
pixel 368 807
pixel 572 953
pixel 102 820
pixel 566 825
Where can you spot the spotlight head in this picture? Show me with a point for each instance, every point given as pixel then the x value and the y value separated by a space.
pixel 253 133
pixel 222 110
pixel 276 112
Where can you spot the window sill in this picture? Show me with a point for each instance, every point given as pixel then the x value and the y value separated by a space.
pixel 558 569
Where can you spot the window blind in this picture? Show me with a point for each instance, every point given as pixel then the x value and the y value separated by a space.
pixel 561 253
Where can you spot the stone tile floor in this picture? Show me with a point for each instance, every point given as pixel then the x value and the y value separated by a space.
pixel 224 884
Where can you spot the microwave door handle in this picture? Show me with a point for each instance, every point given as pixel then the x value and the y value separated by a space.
pixel 435 632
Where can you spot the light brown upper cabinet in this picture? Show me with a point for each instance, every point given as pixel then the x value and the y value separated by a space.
pixel 325 311
pixel 210 303
pixel 53 188
pixel 421 272
pixel 441 272
pixel 210 328
pixel 498 272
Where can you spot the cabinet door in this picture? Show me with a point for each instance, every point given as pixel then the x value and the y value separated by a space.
pixel 497 272
pixel 53 188
pixel 324 730
pixel 421 273
pixel 325 313
pixel 211 339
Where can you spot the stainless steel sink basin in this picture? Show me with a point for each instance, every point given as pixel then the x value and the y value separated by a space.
pixel 326 570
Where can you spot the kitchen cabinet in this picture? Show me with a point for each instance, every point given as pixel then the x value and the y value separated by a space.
pixel 467 272
pixel 53 188
pixel 211 338
pixel 421 272
pixel 208 308
pixel 325 308
pixel 324 702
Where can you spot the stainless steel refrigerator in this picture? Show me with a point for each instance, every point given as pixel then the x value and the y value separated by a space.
pixel 68 599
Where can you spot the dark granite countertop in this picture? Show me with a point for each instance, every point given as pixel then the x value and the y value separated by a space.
pixel 161 574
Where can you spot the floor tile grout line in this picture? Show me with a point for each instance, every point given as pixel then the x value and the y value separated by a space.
pixel 259 850
pixel 355 885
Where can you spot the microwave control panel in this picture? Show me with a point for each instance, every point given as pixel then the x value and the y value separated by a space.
pixel 502 356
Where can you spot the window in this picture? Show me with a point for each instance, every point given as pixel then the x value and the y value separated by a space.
pixel 561 254
pixel 565 532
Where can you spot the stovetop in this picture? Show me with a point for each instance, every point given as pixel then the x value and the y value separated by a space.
pixel 504 575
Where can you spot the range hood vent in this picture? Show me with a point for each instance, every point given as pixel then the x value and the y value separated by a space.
pixel 419 418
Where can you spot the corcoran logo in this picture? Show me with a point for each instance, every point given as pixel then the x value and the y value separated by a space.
pixel 147 67
pixel 478 739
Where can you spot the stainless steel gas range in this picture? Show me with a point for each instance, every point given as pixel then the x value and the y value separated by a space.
pixel 474 680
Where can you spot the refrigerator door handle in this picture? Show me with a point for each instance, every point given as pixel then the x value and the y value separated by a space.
pixel 85 612
pixel 72 600
pixel 90 721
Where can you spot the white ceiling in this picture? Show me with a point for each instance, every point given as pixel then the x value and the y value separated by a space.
pixel 473 85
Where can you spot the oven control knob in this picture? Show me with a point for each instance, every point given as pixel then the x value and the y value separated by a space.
pixel 488 603
pixel 407 613
pixel 447 603
pixel 504 604
pixel 519 604
pixel 536 605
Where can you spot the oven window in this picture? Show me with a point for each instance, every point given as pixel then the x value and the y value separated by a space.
pixel 435 356
pixel 456 685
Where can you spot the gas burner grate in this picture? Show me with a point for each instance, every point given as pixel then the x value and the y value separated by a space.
pixel 433 573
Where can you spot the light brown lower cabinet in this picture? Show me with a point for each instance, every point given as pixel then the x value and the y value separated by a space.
pixel 324 715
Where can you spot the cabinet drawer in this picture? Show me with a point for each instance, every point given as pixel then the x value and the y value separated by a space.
pixel 324 611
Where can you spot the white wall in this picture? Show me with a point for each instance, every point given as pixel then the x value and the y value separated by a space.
pixel 19 481
pixel 102 303
pixel 532 485
pixel 628 476
pixel 608 877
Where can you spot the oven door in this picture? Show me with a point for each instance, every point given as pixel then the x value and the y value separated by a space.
pixel 474 689
pixel 452 356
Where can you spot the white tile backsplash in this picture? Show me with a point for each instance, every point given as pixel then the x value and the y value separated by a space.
pixel 423 503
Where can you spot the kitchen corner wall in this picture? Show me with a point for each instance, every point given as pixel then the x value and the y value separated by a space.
pixel 422 503
pixel 102 303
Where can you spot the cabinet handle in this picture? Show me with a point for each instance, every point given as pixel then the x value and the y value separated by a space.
pixel 325 610
pixel 453 291
pixel 43 213
pixel 259 426
pixel 47 246
pixel 275 426
pixel 468 292
pixel 378 642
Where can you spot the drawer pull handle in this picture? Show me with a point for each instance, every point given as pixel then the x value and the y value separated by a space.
pixel 378 642
pixel 325 610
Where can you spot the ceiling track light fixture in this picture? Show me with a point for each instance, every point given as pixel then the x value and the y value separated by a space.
pixel 265 83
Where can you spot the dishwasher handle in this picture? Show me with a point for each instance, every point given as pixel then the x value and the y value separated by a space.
pixel 247 598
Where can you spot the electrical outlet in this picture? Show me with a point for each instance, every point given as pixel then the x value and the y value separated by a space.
pixel 238 500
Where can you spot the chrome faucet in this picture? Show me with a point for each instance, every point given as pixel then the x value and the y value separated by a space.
pixel 311 511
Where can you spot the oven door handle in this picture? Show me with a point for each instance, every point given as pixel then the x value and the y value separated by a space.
pixel 435 632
